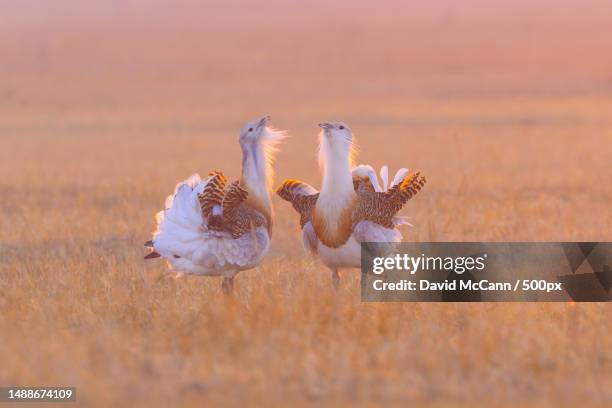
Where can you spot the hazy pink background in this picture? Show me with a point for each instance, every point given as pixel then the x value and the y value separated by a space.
pixel 130 55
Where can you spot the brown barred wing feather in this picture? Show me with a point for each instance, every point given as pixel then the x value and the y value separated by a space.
pixel 381 207
pixel 234 196
pixel 213 192
pixel 243 220
pixel 224 207
pixel 239 218
pixel 302 196
pixel 408 188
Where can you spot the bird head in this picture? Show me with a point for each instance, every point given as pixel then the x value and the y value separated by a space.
pixel 337 132
pixel 336 140
pixel 253 131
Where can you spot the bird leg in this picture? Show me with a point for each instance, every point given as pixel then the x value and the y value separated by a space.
pixel 335 278
pixel 228 285
pixel 163 276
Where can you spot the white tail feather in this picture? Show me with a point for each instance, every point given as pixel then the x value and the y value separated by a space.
pixel 401 220
pixel 400 176
pixel 364 170
pixel 384 176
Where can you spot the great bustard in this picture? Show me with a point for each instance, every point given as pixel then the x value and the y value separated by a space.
pixel 351 207
pixel 213 228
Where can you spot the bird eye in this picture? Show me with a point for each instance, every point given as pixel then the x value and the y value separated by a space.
pixel 250 129
pixel 341 127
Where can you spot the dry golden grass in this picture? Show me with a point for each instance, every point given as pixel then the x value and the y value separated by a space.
pixel 506 110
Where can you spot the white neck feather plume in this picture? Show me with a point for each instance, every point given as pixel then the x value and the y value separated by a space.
pixel 257 171
pixel 336 161
pixel 258 157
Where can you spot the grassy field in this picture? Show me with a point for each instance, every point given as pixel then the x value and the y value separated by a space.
pixel 507 108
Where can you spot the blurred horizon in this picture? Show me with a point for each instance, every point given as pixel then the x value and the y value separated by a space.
pixel 69 56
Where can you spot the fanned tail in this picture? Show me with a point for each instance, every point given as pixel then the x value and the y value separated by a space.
pixel 364 173
pixel 179 226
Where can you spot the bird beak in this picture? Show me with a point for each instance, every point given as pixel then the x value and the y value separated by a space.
pixel 263 121
pixel 325 125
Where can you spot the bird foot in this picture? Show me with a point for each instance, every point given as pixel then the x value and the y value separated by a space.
pixel 335 279
pixel 227 286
